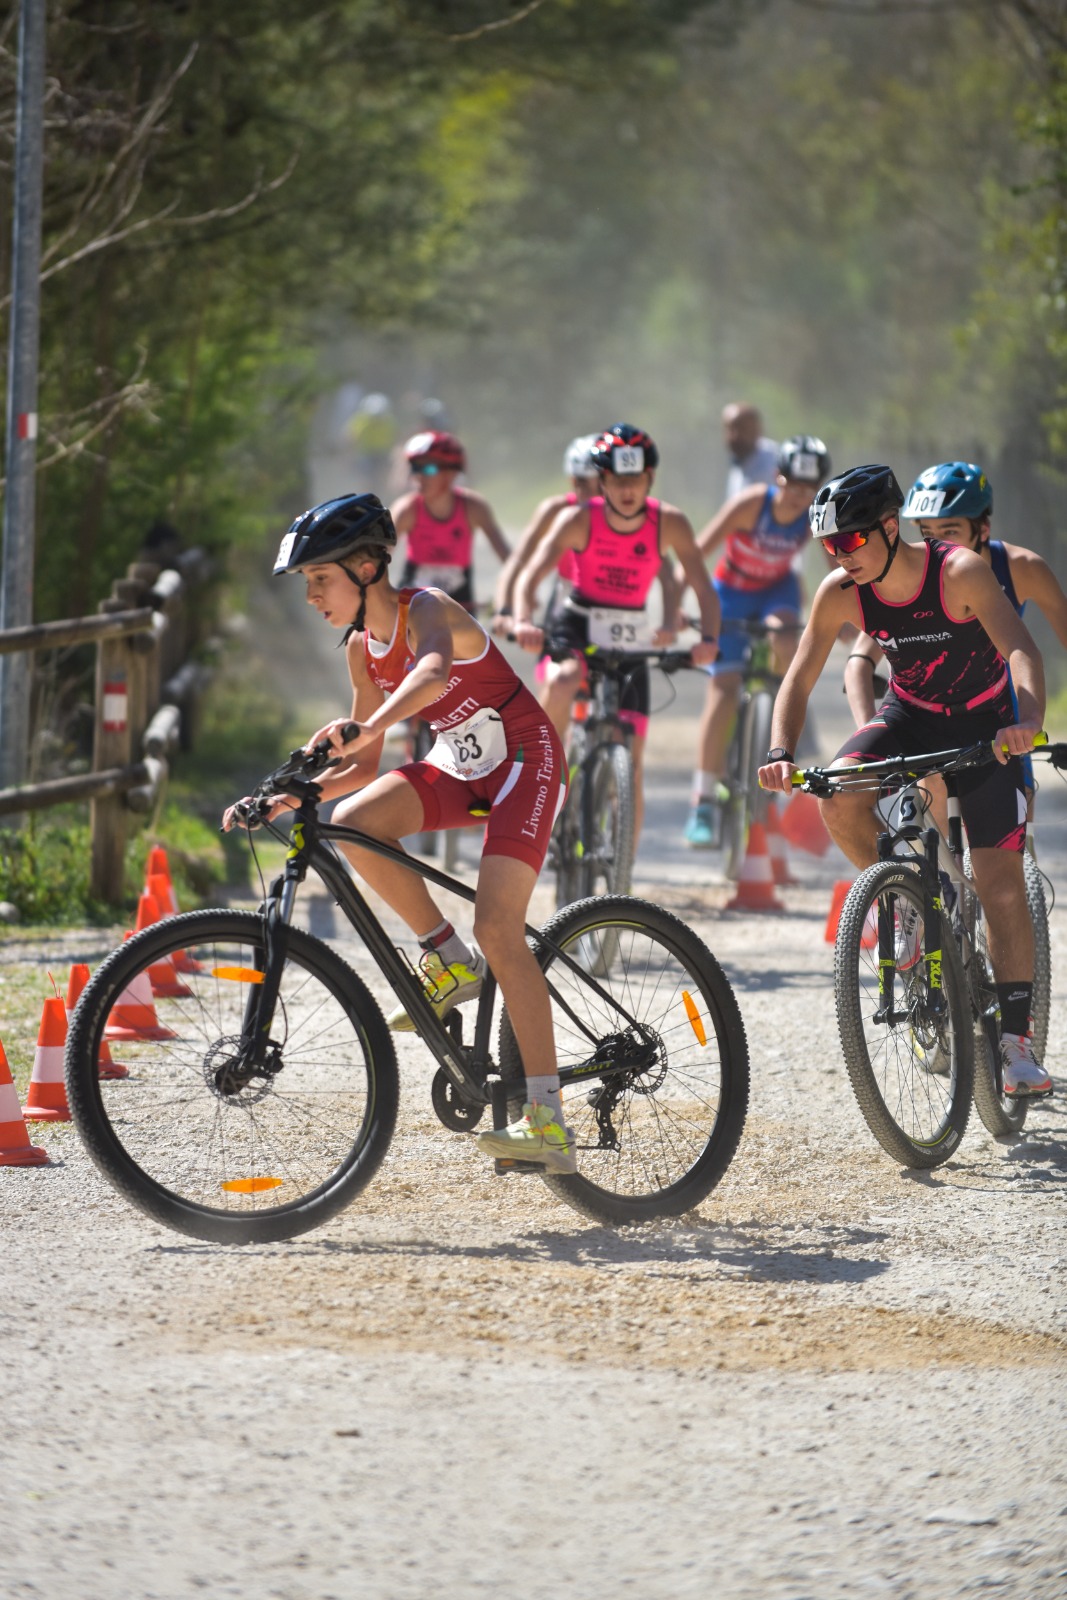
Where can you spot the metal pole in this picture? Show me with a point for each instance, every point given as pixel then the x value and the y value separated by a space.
pixel 16 591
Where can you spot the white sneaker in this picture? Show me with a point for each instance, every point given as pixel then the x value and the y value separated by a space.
pixel 906 942
pixel 1023 1073
pixel 444 987
pixel 537 1136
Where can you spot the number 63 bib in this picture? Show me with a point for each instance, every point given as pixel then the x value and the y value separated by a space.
pixel 473 749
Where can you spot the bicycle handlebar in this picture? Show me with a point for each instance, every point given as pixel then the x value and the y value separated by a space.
pixel 292 777
pixel 825 781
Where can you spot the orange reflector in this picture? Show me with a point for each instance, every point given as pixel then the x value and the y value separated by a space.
pixel 694 1017
pixel 251 1185
pixel 238 974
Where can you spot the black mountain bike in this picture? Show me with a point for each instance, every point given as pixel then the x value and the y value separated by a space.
pixel 916 994
pixel 268 1096
pixel 594 839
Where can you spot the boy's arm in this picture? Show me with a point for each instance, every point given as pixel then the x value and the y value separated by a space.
pixel 533 534
pixel 860 669
pixel 482 517
pixel 570 531
pixel 832 607
pixel 678 536
pixel 1035 580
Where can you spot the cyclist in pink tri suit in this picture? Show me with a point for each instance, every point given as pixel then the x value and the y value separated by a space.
pixel 578 467
pixel 951 636
pixel 441 519
pixel 757 537
pixel 616 543
pixel 419 652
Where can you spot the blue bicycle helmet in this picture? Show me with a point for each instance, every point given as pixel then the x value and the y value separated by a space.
pixel 951 489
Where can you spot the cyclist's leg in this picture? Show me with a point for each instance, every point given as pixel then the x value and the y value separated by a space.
pixel 633 709
pixel 717 719
pixel 390 809
pixel 850 819
pixel 560 683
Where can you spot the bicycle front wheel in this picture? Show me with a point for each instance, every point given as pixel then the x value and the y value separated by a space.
pixel 909 1059
pixel 189 1136
pixel 608 821
pixel 653 1060
pixel 757 742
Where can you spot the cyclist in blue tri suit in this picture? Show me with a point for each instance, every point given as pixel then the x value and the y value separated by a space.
pixel 759 534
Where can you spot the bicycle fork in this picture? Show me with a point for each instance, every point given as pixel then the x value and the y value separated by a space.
pixel 935 1006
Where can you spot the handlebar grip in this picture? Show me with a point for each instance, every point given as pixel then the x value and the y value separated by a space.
pixel 1040 740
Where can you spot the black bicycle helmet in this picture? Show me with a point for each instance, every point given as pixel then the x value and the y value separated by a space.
pixel 624 449
pixel 855 499
pixel 331 531
pixel 804 459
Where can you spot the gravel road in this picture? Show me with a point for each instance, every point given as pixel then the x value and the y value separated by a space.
pixel 833 1379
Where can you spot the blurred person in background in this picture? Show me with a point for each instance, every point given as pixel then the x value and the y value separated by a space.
pixel 753 458
pixel 581 475
pixel 440 519
pixel 761 532
pixel 371 433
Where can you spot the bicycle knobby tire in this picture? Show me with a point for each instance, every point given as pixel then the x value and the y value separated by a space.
pixel 235 1162
pixel 913 1075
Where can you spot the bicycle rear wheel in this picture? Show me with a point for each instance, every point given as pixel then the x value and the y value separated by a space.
pixel 183 1137
pixel 912 1069
pixel 608 821
pixel 658 1050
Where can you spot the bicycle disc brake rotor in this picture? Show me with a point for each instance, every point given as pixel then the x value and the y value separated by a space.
pixel 228 1076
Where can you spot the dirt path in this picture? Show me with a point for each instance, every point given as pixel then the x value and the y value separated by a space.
pixel 833 1379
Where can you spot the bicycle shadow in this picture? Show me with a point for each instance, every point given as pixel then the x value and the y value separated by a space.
pixel 743 1251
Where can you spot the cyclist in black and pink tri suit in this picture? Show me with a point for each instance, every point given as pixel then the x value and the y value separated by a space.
pixel 950 636
pixel 615 546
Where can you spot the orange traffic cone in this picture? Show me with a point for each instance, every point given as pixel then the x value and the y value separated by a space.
pixel 159 883
pixel 47 1097
pixel 755 884
pixel 15 1147
pixel 133 1016
pixel 166 984
pixel 803 826
pixel 106 1065
pixel 869 937
pixel 777 847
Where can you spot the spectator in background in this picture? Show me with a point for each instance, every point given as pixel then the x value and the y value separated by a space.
pixel 753 458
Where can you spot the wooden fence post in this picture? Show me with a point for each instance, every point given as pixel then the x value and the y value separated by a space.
pixel 111 748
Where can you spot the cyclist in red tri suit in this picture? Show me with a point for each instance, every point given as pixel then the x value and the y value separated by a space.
pixel 616 544
pixel 419 652
pixel 440 519
pixel 950 635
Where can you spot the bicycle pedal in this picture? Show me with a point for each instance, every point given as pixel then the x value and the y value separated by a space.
pixel 503 1167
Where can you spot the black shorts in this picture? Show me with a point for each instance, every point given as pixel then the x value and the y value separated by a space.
pixel 569 630
pixel 992 799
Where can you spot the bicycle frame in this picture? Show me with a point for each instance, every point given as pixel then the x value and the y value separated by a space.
pixel 471 1068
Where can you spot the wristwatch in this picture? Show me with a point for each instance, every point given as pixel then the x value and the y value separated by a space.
pixel 780 753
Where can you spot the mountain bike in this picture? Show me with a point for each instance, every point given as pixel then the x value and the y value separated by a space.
pixel 745 802
pixel 915 990
pixel 594 840
pixel 267 1095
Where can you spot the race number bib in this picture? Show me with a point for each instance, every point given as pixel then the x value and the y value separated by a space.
pixel 627 458
pixel 823 519
pixel 924 503
pixel 473 749
pixel 612 629
pixel 450 579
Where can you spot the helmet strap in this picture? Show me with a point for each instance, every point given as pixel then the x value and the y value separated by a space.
pixel 892 549
pixel 622 515
pixel 361 616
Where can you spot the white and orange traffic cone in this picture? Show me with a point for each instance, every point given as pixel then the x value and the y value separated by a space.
pixel 869 937
pixel 106 1065
pixel 133 1016
pixel 777 847
pixel 755 883
pixel 15 1147
pixel 46 1099
pixel 803 826
pixel 166 984
pixel 160 884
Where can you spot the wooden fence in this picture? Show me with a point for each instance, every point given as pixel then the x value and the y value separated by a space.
pixel 148 688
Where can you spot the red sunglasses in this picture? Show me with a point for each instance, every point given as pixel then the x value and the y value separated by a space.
pixel 845 544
